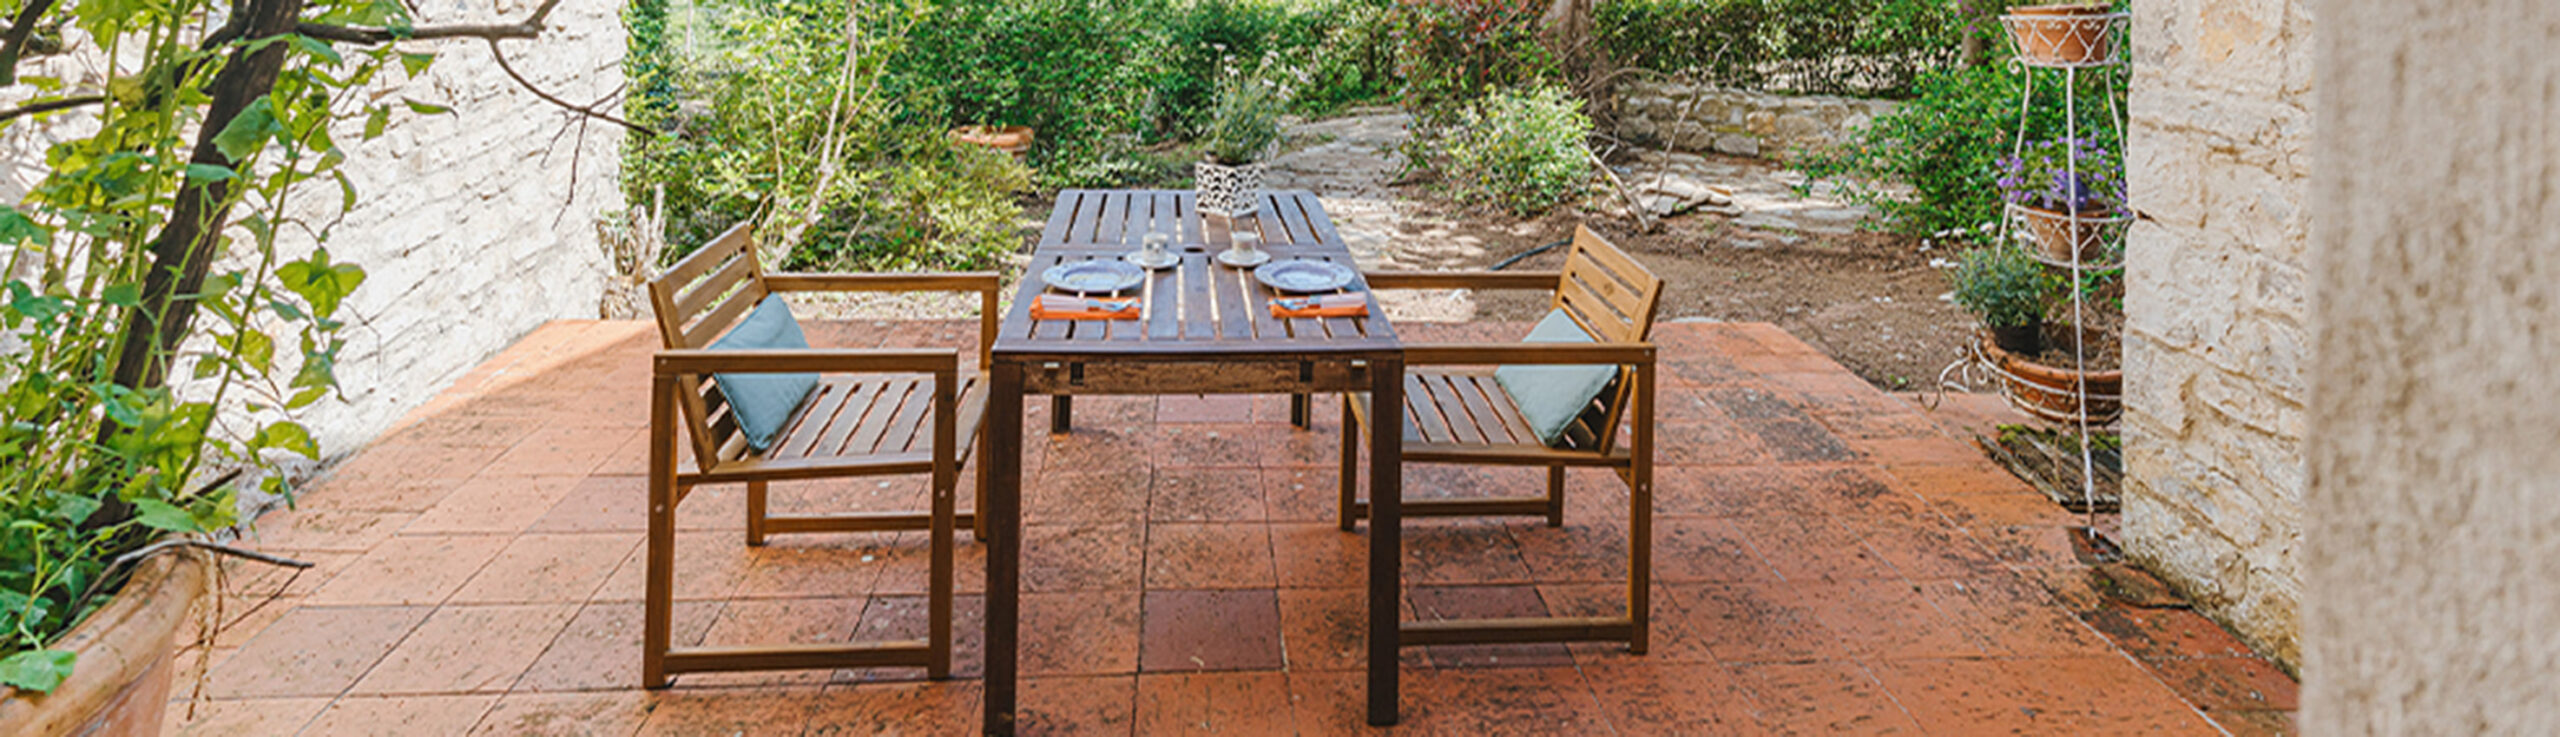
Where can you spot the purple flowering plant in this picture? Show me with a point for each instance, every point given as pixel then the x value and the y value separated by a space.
pixel 2071 175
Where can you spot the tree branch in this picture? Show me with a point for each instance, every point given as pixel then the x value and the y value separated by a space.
pixel 13 42
pixel 48 106
pixel 586 110
pixel 530 27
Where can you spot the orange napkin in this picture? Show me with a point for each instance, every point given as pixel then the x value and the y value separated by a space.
pixel 1353 304
pixel 1070 307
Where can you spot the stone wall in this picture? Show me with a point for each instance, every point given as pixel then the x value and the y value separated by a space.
pixel 1704 118
pixel 2214 349
pixel 2435 490
pixel 467 223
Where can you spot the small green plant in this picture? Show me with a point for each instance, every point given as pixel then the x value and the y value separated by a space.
pixel 1944 148
pixel 2003 286
pixel 1245 121
pixel 1522 150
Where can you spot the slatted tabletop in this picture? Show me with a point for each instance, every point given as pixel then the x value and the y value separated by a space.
pixel 1196 307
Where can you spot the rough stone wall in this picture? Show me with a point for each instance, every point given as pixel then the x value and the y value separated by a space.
pixel 2220 122
pixel 2435 487
pixel 1738 122
pixel 467 224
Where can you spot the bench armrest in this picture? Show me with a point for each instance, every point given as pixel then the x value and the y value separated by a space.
pixel 1525 280
pixel 1527 354
pixel 969 281
pixel 815 360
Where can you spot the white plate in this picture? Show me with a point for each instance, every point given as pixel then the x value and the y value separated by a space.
pixel 1093 277
pixel 1163 260
pixel 1303 276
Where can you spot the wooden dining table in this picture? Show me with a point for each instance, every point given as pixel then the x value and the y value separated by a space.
pixel 1202 328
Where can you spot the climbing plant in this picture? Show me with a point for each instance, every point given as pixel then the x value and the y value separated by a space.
pixel 158 243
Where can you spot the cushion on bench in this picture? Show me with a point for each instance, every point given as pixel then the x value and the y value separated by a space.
pixel 1550 397
pixel 763 402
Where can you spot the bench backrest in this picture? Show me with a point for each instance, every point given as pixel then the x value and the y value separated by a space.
pixel 696 300
pixel 1614 299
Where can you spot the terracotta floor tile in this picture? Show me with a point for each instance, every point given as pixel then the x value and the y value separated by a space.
pixel 1214 703
pixel 565 714
pixel 241 717
pixel 563 449
pixel 1924 547
pixel 2164 633
pixel 1887 619
pixel 2014 617
pixel 1707 444
pixel 238 619
pixel 468 649
pixel 1943 481
pixel 242 577
pixel 1119 448
pixel 1190 408
pixel 365 716
pixel 1099 633
pixel 1319 556
pixel 770 622
pixel 1671 699
pixel 1440 603
pixel 707 566
pixel 2237 683
pixel 390 460
pixel 907 566
pixel 1905 452
pixel 601 504
pixel 548 568
pixel 1462 552
pixel 1083 557
pixel 1115 496
pixel 351 532
pixel 1209 556
pixel 2255 723
pixel 1696 549
pixel 1579 552
pixel 1822 698
pixel 805 566
pixel 1302 493
pixel 374 494
pixel 2037 696
pixel 600 647
pixel 313 651
pixel 907 618
pixel 1751 623
pixel 1207 446
pixel 897 709
pixel 1330 703
pixel 1080 705
pixel 1732 491
pixel 1326 629
pixel 1205 495
pixel 772 710
pixel 1209 631
pixel 851 495
pixel 493 504
pixel 1503 701
pixel 411 570
pixel 1805 548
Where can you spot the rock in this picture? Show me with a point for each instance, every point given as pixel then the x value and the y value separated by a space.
pixel 1736 144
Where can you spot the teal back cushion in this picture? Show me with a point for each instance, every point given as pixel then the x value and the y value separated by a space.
pixel 763 402
pixel 1551 396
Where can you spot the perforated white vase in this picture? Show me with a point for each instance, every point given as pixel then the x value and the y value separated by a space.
pixel 1224 190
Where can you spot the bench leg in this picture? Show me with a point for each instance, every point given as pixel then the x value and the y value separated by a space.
pixel 658 587
pixel 938 591
pixel 1061 414
pixel 978 520
pixel 1350 467
pixel 1555 496
pixel 755 512
pixel 1300 415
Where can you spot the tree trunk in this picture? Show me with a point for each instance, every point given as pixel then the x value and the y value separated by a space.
pixel 185 249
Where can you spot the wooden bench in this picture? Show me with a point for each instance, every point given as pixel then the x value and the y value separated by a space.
pixel 873 413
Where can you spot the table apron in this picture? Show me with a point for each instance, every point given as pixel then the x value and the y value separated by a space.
pixel 1201 376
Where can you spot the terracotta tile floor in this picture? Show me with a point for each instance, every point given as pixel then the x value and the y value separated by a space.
pixel 1831 560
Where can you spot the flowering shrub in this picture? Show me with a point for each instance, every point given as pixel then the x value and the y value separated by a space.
pixel 1455 50
pixel 2073 175
pixel 1520 149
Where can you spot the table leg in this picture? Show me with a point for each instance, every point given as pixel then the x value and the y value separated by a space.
pixel 1001 461
pixel 1386 534
pixel 1062 412
pixel 1299 416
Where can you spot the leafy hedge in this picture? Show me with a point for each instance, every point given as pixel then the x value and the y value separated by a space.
pixel 1873 47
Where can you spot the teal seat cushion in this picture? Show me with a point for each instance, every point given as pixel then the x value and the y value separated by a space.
pixel 763 402
pixel 1550 397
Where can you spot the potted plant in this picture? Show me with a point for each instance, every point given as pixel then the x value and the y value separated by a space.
pixel 2008 291
pixel 1011 139
pixel 2062 35
pixel 1243 125
pixel 2051 389
pixel 2066 191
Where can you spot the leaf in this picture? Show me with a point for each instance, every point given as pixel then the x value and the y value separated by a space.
pixel 16 228
pixel 37 670
pixel 248 132
pixel 426 108
pixel 376 120
pixel 287 435
pixel 305 397
pixel 210 173
pixel 319 48
pixel 122 294
pixel 73 508
pixel 160 515
pixel 321 283
pixel 415 62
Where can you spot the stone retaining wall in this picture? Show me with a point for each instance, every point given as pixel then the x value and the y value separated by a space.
pixel 2216 309
pixel 1707 118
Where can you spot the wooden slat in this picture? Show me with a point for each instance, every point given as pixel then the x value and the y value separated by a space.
pixel 858 408
pixel 821 409
pixel 1164 299
pixel 1230 287
pixel 1088 220
pixel 1197 303
pixel 712 254
pixel 1462 422
pixel 1115 218
pixel 1523 454
pixel 785 469
pixel 1521 506
pixel 1513 631
pixel 1505 408
pixel 857 522
pixel 727 278
pixel 894 394
pixel 711 325
pixel 1480 407
pixel 1425 414
pixel 909 424
pixel 1477 280
pixel 1061 218
pixel 797 657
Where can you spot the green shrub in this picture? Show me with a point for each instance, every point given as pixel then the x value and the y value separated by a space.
pixel 1351 57
pixel 1453 51
pixel 1208 40
pixel 1522 150
pixel 1874 47
pixel 2004 286
pixel 1076 70
pixel 1932 165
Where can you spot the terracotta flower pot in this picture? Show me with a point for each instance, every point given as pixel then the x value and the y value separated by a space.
pixel 2059 233
pixel 2028 339
pixel 2053 392
pixel 2061 35
pixel 119 684
pixel 1011 139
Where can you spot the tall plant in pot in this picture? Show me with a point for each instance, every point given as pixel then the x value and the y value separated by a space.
pixel 2067 192
pixel 1239 136
pixel 2009 292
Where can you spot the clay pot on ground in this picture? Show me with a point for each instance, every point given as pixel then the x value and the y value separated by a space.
pixel 1226 190
pixel 2061 35
pixel 119 684
pixel 2057 233
pixel 1011 139
pixel 2053 392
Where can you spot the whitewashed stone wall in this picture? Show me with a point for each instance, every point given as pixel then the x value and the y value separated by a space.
pixel 2214 345
pixel 1703 118
pixel 467 224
